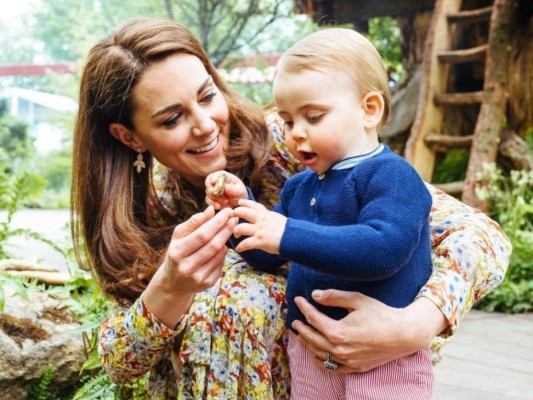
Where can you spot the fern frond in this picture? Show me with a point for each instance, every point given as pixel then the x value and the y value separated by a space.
pixel 95 387
pixel 40 390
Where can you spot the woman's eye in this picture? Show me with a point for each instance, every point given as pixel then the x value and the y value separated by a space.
pixel 208 97
pixel 173 120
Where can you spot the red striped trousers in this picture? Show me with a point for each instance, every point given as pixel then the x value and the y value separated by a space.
pixel 407 378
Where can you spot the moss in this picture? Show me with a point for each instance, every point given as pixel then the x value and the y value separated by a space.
pixel 58 315
pixel 20 329
pixel 452 167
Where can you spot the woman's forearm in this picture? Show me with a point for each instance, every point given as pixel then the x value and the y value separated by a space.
pixel 423 321
pixel 470 256
pixel 166 305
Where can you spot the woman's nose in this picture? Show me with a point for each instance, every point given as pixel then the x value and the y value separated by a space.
pixel 203 124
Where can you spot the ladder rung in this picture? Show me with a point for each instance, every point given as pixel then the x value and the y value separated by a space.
pixel 451 99
pixel 461 56
pixel 447 141
pixel 470 16
pixel 452 188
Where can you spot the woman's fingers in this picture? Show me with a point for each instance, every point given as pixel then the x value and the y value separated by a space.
pixel 338 298
pixel 194 222
pixel 317 343
pixel 318 320
pixel 196 251
pixel 201 229
pixel 207 245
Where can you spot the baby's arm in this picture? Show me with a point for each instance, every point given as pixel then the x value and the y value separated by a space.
pixel 223 190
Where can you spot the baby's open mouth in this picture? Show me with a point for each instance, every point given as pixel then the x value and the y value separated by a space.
pixel 306 155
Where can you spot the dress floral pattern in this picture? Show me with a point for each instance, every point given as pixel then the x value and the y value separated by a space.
pixel 233 339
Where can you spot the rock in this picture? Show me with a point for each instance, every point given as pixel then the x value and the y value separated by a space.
pixel 32 335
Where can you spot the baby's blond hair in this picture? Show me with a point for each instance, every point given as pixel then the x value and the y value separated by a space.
pixel 343 50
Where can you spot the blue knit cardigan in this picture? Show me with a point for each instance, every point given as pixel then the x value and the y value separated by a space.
pixel 362 226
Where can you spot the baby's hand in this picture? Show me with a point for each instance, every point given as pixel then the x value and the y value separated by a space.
pixel 264 228
pixel 223 190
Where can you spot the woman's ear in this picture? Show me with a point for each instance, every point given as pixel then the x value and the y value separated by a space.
pixel 373 106
pixel 125 136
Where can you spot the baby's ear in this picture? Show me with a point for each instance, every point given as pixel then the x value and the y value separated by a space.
pixel 373 106
pixel 125 136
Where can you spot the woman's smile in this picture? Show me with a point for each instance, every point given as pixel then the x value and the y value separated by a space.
pixel 206 148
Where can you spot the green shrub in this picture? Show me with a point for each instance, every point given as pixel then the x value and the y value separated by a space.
pixel 511 198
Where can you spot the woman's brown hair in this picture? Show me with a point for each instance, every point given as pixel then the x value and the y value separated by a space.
pixel 110 217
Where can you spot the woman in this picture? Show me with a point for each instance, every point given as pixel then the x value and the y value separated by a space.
pixel 149 92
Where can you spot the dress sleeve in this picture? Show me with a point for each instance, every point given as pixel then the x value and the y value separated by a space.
pixel 470 254
pixel 132 340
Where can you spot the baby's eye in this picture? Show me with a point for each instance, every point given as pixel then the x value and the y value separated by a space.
pixel 173 120
pixel 287 126
pixel 314 117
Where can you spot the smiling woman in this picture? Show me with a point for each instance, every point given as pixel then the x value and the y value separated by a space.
pixel 149 92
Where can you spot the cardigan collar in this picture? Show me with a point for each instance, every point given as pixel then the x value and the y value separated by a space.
pixel 351 162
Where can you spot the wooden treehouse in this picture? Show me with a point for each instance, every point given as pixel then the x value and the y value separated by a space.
pixel 469 84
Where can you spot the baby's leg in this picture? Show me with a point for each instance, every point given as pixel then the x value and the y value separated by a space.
pixel 410 377
pixel 309 381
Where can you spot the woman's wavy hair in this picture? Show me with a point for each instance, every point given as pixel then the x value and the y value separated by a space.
pixel 112 224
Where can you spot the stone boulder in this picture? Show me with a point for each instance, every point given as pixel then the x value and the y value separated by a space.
pixel 34 334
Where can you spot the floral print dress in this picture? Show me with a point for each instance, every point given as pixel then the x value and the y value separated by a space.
pixel 232 342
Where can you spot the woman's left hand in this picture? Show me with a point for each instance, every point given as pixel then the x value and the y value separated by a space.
pixel 371 335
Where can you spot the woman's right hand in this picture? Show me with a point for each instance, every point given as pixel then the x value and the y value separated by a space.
pixel 193 263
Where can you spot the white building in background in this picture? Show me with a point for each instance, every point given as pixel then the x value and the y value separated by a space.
pixel 42 112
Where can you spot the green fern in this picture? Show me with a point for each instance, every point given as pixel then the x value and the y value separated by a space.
pixel 14 191
pixel 100 387
pixel 40 390
pixel 21 287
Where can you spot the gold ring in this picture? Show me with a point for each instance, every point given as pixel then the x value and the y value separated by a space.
pixel 329 363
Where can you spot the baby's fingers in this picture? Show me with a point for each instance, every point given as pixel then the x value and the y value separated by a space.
pixel 246 213
pixel 215 204
pixel 246 244
pixel 244 230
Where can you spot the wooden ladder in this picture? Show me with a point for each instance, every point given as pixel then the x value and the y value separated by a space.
pixel 438 96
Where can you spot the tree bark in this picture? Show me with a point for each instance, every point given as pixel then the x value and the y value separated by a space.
pixel 492 114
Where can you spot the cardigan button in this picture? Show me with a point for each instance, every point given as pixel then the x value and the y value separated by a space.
pixel 321 176
pixel 313 201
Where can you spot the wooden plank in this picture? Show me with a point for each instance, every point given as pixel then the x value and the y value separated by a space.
pixel 489 357
pixel 458 99
pixel 464 55
pixel 349 11
pixel 435 75
pixel 444 142
pixel 452 188
pixel 471 16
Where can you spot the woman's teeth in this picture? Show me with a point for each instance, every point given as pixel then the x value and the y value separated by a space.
pixel 205 148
